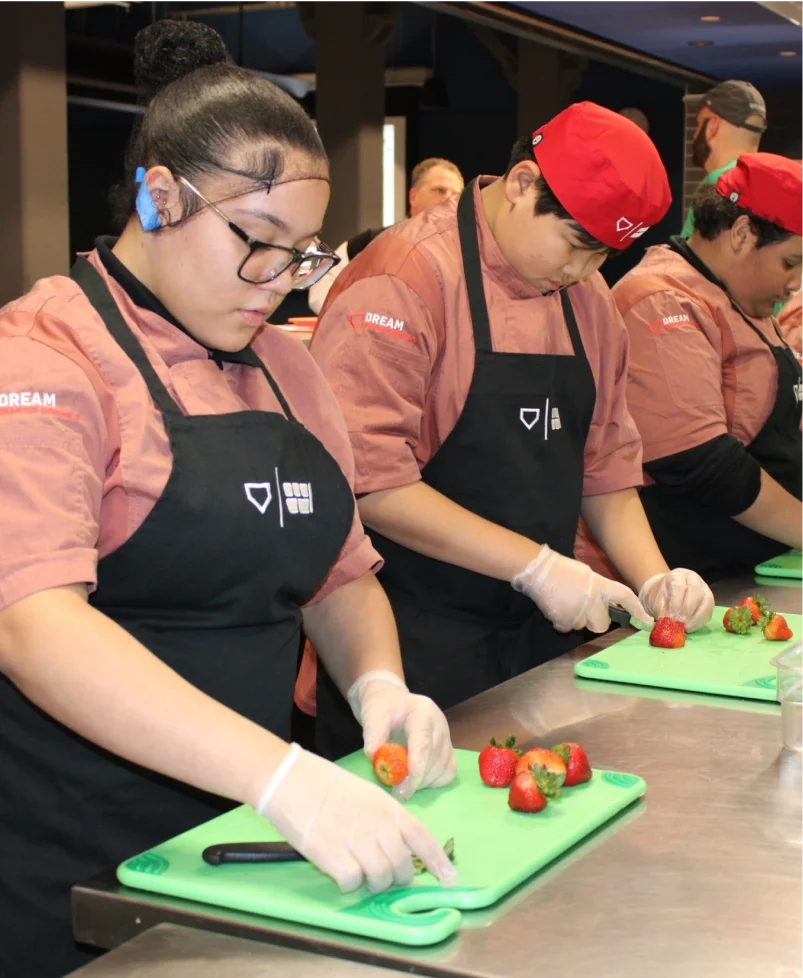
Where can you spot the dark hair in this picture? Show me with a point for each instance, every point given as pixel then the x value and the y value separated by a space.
pixel 714 214
pixel 548 203
pixel 204 113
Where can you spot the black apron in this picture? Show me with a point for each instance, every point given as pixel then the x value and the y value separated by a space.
pixel 690 534
pixel 514 457
pixel 253 515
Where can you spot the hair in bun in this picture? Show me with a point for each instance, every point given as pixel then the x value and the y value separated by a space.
pixel 168 49
pixel 204 115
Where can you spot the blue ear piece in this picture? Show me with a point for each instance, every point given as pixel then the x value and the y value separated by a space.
pixel 148 217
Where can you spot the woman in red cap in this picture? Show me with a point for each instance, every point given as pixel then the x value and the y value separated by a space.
pixel 480 363
pixel 713 386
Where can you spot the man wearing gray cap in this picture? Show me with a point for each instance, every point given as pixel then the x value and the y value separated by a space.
pixel 730 121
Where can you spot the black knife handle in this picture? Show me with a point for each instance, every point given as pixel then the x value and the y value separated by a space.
pixel 619 616
pixel 251 852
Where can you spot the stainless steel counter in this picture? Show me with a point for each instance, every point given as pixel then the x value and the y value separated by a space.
pixel 701 878
pixel 168 951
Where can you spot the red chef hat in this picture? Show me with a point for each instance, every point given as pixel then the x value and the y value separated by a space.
pixel 768 186
pixel 605 171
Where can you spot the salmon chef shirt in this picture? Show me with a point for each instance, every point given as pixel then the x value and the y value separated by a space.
pixel 699 378
pixel 83 452
pixel 395 342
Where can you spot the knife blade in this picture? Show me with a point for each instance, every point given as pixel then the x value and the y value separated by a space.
pixel 251 852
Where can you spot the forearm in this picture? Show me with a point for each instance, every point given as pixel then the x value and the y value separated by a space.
pixel 88 673
pixel 775 513
pixel 421 519
pixel 353 631
pixel 620 526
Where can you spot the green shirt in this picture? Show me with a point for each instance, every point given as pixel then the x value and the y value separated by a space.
pixel 688 227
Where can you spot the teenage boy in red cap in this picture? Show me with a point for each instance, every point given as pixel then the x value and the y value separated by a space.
pixel 481 364
pixel 713 387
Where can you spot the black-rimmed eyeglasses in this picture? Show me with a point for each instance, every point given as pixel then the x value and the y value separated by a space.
pixel 266 262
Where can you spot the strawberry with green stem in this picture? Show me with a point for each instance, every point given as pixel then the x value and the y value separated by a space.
pixel 738 620
pixel 498 763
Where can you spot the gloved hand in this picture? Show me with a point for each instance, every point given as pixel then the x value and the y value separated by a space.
pixel 384 706
pixel 571 595
pixel 681 594
pixel 347 827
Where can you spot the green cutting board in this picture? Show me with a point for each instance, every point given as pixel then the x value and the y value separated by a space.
pixel 789 564
pixel 713 660
pixel 495 850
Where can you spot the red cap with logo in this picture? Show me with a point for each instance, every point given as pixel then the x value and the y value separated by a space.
pixel 605 171
pixel 768 186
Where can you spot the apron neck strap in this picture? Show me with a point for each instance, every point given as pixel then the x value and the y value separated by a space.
pixel 681 247
pixel 96 290
pixel 100 297
pixel 472 270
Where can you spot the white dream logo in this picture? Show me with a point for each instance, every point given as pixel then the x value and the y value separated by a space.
pixel 27 399
pixel 295 498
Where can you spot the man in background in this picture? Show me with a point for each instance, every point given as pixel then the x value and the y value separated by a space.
pixel 731 120
pixel 433 180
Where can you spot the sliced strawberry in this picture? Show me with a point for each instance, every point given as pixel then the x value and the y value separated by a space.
pixel 575 758
pixel 668 634
pixel 498 763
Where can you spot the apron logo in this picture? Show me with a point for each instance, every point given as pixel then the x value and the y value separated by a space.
pixel 260 487
pixel 529 417
pixel 798 389
pixel 548 418
pixel 298 497
pixel 357 319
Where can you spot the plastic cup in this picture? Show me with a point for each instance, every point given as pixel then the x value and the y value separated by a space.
pixel 790 695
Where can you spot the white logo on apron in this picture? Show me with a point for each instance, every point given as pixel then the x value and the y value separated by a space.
pixel 530 417
pixel 798 389
pixel 258 487
pixel 298 497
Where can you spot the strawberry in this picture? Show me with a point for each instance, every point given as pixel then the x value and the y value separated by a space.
pixel 574 757
pixel 776 629
pixel 668 634
pixel 546 767
pixel 390 764
pixel 738 620
pixel 525 795
pixel 498 763
pixel 758 606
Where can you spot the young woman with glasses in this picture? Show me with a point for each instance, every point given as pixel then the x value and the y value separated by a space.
pixel 175 502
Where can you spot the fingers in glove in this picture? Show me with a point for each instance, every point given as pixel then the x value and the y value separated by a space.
pixel 375 731
pixel 340 864
pixel 376 867
pixel 622 595
pixel 422 843
pixel 418 728
pixel 439 766
pixel 598 618
pixel 703 611
pixel 396 852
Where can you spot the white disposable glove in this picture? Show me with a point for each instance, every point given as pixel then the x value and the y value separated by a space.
pixel 681 594
pixel 387 709
pixel 347 827
pixel 571 595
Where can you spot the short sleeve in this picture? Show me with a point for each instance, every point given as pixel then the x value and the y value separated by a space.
pixel 52 449
pixel 675 375
pixel 612 459
pixel 375 344
pixel 357 555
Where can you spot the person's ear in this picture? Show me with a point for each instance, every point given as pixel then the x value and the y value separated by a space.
pixel 520 183
pixel 165 193
pixel 411 196
pixel 713 127
pixel 742 238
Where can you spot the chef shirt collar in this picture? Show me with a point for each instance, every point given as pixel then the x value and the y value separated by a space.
pixel 142 297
